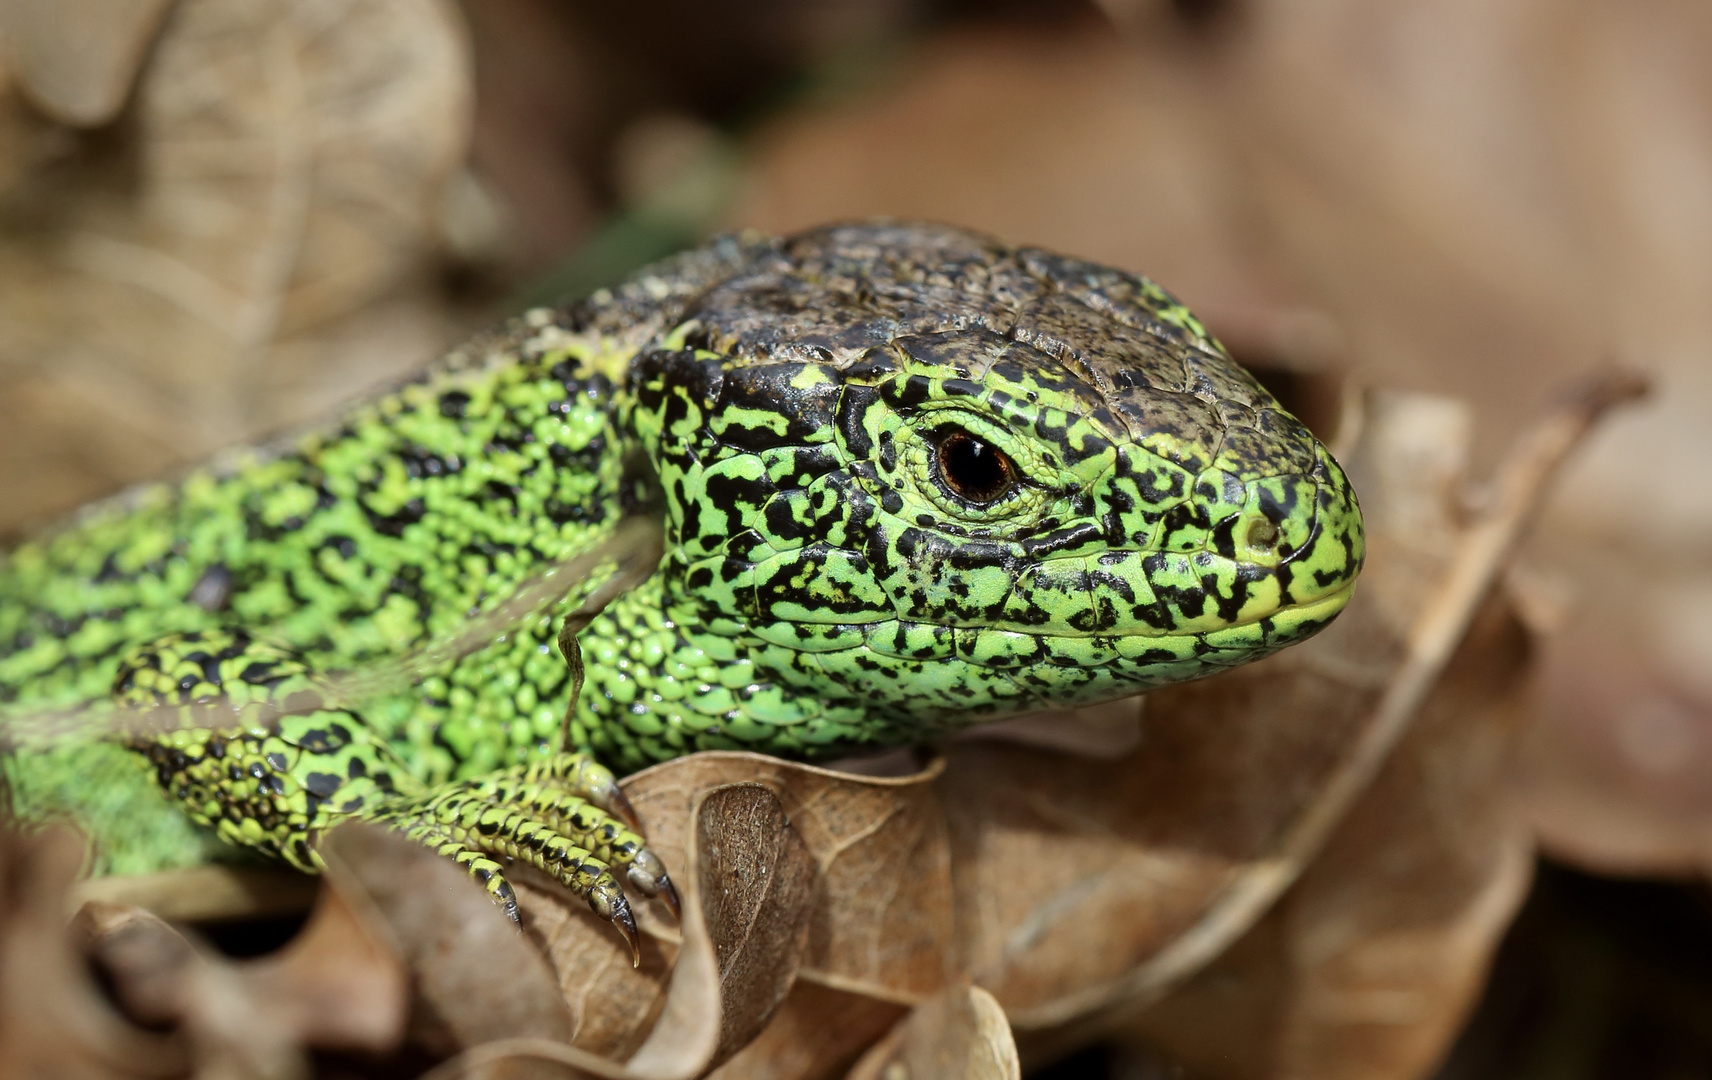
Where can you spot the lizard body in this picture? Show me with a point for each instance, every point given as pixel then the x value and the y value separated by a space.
pixel 909 478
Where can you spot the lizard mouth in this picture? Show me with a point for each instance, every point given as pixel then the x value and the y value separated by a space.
pixel 1321 609
pixel 1285 624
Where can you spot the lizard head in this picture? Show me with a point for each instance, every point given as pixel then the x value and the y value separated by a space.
pixel 955 480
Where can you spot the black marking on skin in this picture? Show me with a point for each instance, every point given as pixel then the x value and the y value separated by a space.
pixel 908 398
pixel 908 543
pixel 213 590
pixel 783 523
pixel 1223 535
pixel 1229 607
pixel 1079 535
pixel 691 525
pixel 675 381
pixel 1323 578
pixel 1185 515
pixel 875 365
pixel 259 673
pixel 852 407
pixel 1278 511
pixel 767 388
pixel 395 523
pixel 420 462
pixel 974 555
pixel 1161 485
pixel 726 490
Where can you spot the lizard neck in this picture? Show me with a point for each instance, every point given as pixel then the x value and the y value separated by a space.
pixel 666 677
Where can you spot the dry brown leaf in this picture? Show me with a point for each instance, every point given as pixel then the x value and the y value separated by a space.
pixel 959 1033
pixel 54 1022
pixel 206 892
pixel 747 885
pixel 163 980
pixel 475 979
pixel 77 59
pixel 817 1032
pixel 756 884
pixel 338 982
pixel 247 253
pixel 337 986
pixel 1367 966
pixel 881 924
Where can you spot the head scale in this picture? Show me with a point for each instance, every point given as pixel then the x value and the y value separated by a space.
pixel 956 480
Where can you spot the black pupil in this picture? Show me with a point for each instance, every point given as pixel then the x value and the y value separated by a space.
pixel 972 469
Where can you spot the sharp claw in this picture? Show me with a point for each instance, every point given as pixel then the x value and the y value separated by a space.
pixel 626 923
pixel 608 901
pixel 648 874
pixel 618 803
pixel 669 893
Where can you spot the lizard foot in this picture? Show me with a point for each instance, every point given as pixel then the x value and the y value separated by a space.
pixel 571 778
pixel 461 826
pixel 544 816
pixel 293 767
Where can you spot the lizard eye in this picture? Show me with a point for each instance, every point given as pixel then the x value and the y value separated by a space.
pixel 974 470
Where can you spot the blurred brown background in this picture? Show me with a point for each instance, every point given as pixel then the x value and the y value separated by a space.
pixel 218 218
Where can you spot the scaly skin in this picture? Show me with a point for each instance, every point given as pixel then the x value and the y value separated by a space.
pixel 816 419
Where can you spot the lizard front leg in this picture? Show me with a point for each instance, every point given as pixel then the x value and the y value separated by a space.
pixel 253 748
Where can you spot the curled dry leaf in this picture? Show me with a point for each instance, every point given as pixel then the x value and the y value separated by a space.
pixel 475 978
pixel 748 881
pixel 206 892
pixel 817 1031
pixel 959 1033
pixel 336 986
pixel 881 923
pixel 1366 967
pixel 756 882
pixel 878 919
pixel 54 1022
pixel 485 990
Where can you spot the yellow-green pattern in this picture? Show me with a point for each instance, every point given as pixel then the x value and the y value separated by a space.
pixel 910 477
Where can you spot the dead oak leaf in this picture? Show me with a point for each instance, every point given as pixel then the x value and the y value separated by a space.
pixel 959 1033
pixel 236 255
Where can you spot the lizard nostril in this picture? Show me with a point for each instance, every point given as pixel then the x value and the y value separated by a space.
pixel 1261 536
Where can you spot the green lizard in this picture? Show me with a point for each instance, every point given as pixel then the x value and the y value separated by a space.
pixel 909 478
